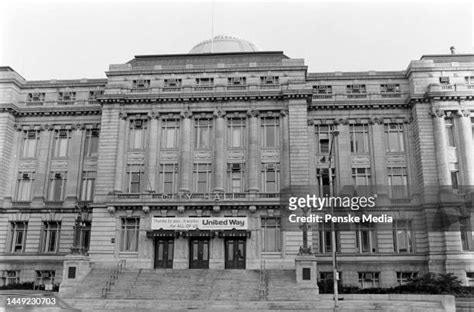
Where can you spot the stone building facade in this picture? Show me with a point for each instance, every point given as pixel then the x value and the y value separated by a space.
pixel 93 163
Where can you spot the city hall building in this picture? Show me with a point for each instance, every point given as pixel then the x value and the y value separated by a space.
pixel 178 162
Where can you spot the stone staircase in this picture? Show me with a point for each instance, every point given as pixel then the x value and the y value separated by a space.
pixel 216 290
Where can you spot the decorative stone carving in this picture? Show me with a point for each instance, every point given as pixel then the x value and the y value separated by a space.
pixel 253 113
pixel 253 209
pixel 146 209
pixel 216 208
pixel 437 113
pixel 219 113
pixel 180 209
pixel 284 112
pixel 111 210
pixel 186 114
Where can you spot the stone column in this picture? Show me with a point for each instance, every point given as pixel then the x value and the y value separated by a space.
pixel 219 152
pixel 185 157
pixel 119 164
pixel 253 152
pixel 285 151
pixel 74 164
pixel 152 152
pixel 42 165
pixel 439 133
pixel 467 149
pixel 379 161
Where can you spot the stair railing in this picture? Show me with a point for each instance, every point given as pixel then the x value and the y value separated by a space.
pixel 118 269
pixel 262 287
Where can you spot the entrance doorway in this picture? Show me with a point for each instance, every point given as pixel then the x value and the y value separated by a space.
pixel 199 253
pixel 164 248
pixel 235 253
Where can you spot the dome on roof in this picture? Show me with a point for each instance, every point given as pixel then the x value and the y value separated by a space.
pixel 224 44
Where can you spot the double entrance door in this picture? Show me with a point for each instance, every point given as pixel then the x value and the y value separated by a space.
pixel 235 253
pixel 164 248
pixel 199 253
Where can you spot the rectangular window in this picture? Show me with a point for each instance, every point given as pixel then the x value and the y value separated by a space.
pixel 402 236
pixel 325 238
pixel 204 82
pixel 390 90
pixel 86 236
pixel 202 178
pixel 397 182
pixel 322 90
pixel 455 176
pixel 369 279
pixel 236 132
pixel 202 133
pixel 450 136
pixel 359 138
pixel 137 134
pixel 168 178
pixel 87 185
pixel 35 98
pixel 93 95
pixel 57 186
pixel 323 138
pixel 270 178
pixel 141 84
pixel 61 143
pixel 30 141
pixel 44 277
pixel 25 182
pixel 356 91
pixel 170 134
pixel 18 231
pixel 469 79
pixel 135 179
pixel 50 236
pixel 66 98
pixel 323 181
pixel 361 180
pixel 269 80
pixel 91 144
pixel 271 232
pixel 173 83
pixel 12 277
pixel 405 277
pixel 365 238
pixel 235 178
pixel 394 138
pixel 236 81
pixel 466 234
pixel 270 132
pixel 129 234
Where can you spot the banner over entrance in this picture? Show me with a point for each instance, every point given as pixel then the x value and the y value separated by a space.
pixel 238 223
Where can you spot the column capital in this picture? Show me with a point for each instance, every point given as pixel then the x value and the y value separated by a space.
pixel 219 113
pixel 376 121
pixel 284 112
pixel 437 113
pixel 186 114
pixel 153 115
pixel 463 112
pixel 123 115
pixel 253 113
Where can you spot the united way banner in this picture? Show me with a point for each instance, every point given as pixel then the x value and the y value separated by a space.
pixel 239 223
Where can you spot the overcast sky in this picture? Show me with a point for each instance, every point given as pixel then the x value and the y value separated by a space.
pixel 70 40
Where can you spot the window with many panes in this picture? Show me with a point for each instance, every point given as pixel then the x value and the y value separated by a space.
pixel 270 132
pixel 44 277
pixel 18 230
pixel 359 134
pixel 36 98
pixel 137 134
pixel 93 95
pixel 61 143
pixel 135 179
pixel 202 174
pixel 466 234
pixel 129 230
pixel 356 91
pixel 369 279
pixel 322 91
pixel 397 182
pixel 141 84
pixel 469 79
pixel 236 81
pixel 87 185
pixel 202 133
pixel 25 183
pixel 271 234
pixel 405 277
pixel 236 132
pixel 30 141
pixel 57 186
pixel 50 236
pixel 91 143
pixel 361 180
pixel 323 180
pixel 173 83
pixel 269 80
pixel 204 82
pixel 235 178
pixel 168 179
pixel 270 177
pixel 67 98
pixel 325 242
pixel 402 236
pixel 394 138
pixel 450 135
pixel 390 90
pixel 12 277
pixel 323 138
pixel 366 241
pixel 170 133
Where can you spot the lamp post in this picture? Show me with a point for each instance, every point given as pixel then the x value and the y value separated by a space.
pixel 334 134
pixel 79 224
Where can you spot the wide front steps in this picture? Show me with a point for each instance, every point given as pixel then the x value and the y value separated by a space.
pixel 281 285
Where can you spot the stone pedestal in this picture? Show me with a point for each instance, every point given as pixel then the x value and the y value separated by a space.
pixel 75 269
pixel 306 272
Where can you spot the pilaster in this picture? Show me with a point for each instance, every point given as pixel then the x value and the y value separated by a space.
pixel 253 152
pixel 185 156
